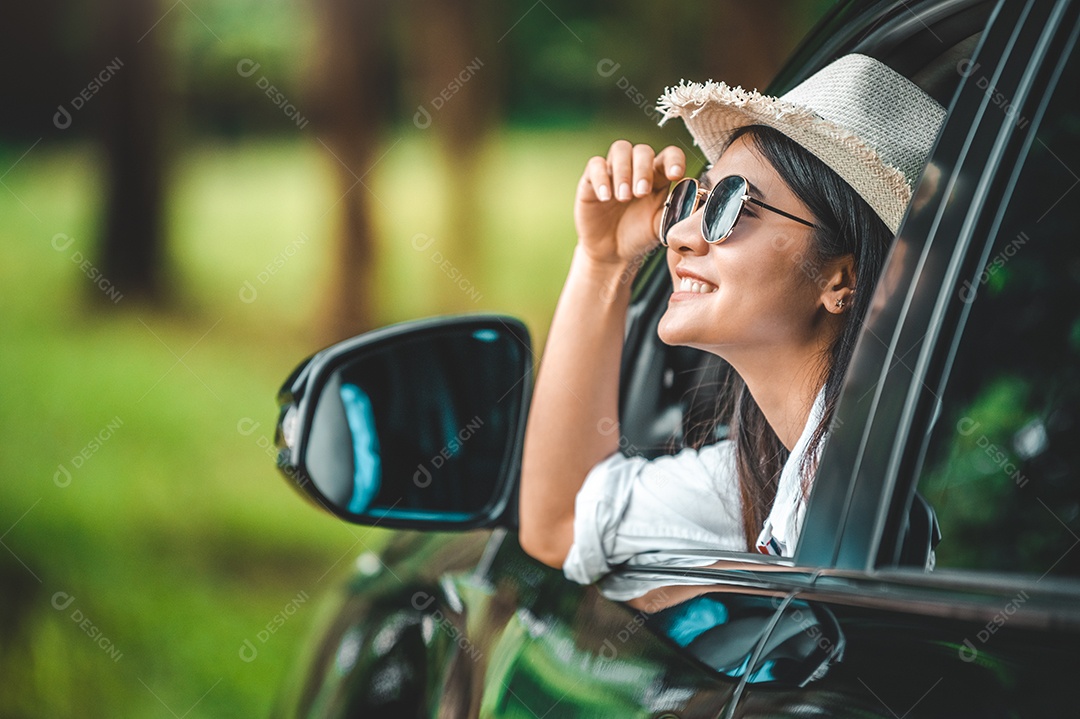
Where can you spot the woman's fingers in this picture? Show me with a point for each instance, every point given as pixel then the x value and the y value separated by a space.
pixel 631 171
pixel 596 175
pixel 643 170
pixel 620 163
pixel 669 165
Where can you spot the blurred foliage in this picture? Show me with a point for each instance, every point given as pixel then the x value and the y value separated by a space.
pixel 649 46
pixel 545 70
pixel 277 35
pixel 176 537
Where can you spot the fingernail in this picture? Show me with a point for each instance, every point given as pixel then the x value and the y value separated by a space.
pixel 674 171
pixel 643 187
pixel 603 193
pixel 624 191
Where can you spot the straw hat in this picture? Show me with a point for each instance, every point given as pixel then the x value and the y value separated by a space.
pixel 867 122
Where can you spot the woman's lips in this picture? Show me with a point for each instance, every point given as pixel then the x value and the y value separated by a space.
pixel 690 284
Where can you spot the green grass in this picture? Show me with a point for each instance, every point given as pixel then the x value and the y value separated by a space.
pixel 175 537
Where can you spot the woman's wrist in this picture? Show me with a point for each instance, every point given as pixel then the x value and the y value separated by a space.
pixel 612 278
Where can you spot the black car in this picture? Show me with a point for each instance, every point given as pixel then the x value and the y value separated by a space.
pixel 937 574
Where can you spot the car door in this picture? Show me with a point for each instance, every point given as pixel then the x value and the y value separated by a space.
pixel 967 390
pixel 467 625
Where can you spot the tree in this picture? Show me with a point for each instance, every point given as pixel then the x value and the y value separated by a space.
pixel 351 90
pixel 132 243
pixel 457 48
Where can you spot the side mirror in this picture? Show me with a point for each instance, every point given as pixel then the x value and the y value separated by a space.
pixel 417 425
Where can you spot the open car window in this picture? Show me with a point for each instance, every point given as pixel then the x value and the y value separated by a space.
pixel 1001 459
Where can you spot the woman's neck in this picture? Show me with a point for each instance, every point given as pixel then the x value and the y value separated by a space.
pixel 785 385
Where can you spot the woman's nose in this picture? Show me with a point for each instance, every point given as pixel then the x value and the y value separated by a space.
pixel 685 236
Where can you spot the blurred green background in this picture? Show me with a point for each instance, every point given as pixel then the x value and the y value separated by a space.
pixel 197 195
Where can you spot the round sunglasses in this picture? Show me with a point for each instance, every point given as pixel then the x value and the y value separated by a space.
pixel 723 205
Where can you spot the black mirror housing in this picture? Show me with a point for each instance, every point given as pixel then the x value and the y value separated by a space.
pixel 417 425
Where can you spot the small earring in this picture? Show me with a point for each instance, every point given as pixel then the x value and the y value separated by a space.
pixel 840 303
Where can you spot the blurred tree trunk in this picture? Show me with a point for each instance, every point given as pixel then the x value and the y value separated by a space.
pixel 352 87
pixel 456 44
pixel 749 41
pixel 132 247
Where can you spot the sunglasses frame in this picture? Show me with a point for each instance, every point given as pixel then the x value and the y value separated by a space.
pixel 702 196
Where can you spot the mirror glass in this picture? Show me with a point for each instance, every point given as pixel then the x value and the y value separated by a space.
pixel 421 428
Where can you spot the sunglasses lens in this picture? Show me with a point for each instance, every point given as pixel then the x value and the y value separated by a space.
pixel 723 207
pixel 680 205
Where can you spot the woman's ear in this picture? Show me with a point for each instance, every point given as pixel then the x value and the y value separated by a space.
pixel 838 284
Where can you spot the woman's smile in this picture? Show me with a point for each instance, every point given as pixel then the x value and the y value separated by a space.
pixel 689 284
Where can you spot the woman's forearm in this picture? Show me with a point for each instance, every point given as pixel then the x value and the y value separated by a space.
pixel 573 419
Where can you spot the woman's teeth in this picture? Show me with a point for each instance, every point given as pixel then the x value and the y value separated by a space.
pixel 701 288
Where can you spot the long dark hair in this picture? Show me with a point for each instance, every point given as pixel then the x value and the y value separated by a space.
pixel 846 226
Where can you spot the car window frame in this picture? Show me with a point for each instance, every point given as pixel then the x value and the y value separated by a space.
pixel 979 156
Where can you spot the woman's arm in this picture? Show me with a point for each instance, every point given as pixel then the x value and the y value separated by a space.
pixel 577 388
pixel 573 419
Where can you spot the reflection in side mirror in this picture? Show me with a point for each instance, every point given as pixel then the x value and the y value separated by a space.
pixel 417 425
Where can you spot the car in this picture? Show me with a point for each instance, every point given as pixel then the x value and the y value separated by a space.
pixel 937 574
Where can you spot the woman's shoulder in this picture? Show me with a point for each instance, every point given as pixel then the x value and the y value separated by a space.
pixel 712 465
pixel 717 461
pixel 716 455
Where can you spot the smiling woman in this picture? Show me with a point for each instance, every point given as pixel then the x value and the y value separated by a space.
pixel 773 272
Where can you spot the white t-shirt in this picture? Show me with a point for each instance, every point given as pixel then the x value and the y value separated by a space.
pixel 630 507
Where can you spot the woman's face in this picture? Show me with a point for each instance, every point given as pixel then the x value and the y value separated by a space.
pixel 762 293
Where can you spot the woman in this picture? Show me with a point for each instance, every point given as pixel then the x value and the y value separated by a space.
pixel 772 272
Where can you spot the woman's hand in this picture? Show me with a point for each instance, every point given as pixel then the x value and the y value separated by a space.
pixel 620 199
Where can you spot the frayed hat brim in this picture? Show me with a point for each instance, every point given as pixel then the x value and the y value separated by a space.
pixel 712 111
